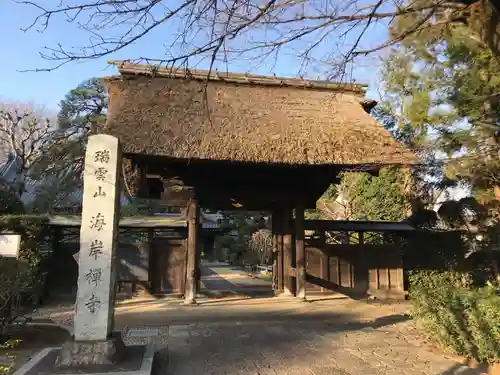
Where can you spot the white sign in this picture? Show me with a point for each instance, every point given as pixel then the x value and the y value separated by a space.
pixel 10 245
pixel 98 235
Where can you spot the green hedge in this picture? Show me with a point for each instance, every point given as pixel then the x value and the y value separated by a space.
pixel 457 315
pixel 32 230
pixel 9 202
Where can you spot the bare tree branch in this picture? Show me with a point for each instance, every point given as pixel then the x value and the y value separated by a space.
pixel 220 29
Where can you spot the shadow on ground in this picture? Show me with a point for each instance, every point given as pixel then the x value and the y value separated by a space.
pixel 459 369
pixel 279 345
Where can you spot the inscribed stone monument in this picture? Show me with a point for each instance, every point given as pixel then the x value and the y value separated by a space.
pixel 95 348
pixel 98 234
pixel 93 342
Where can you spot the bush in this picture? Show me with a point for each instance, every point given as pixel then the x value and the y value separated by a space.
pixel 21 280
pixel 9 202
pixel 32 231
pixel 457 315
pixel 17 281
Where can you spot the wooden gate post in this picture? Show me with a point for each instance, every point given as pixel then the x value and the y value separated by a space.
pixel 278 238
pixel 288 287
pixel 274 253
pixel 199 248
pixel 151 254
pixel 193 237
pixel 324 261
pixel 301 252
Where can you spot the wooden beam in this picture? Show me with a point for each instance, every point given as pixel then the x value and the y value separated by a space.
pixel 125 222
pixel 270 197
pixel 216 183
pixel 193 227
pixel 301 251
pixel 357 226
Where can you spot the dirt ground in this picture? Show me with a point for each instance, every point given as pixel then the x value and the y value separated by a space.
pixel 32 339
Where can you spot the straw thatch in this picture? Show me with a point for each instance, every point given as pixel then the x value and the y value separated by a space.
pixel 245 118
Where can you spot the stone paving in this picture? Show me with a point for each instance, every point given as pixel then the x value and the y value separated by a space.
pixel 240 335
pixel 297 348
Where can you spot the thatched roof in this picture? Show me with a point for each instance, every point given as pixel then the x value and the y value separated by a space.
pixel 245 118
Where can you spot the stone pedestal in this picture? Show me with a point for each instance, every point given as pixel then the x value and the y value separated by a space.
pixel 86 353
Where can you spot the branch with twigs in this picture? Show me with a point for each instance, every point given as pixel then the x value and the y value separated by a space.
pixel 222 29
pixel 36 143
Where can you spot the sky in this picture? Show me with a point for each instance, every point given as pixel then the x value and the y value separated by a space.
pixel 45 89
pixel 21 52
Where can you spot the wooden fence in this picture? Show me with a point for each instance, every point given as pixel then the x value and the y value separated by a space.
pixel 356 258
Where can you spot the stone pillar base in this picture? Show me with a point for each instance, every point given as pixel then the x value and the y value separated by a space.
pixel 83 353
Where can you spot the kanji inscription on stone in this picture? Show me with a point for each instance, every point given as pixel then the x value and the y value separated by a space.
pixel 95 249
pixel 94 276
pixel 100 213
pixel 93 304
pixel 102 156
pixel 100 192
pixel 100 174
pixel 97 222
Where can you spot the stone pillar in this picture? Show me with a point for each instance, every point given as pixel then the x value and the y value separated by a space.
pixel 193 238
pixel 301 252
pixel 95 301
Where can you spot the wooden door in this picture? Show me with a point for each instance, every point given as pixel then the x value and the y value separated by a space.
pixel 169 266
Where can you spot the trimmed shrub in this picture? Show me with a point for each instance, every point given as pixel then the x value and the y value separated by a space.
pixel 10 202
pixel 457 315
pixel 21 280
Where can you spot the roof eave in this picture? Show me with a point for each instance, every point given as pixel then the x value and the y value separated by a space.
pixel 126 68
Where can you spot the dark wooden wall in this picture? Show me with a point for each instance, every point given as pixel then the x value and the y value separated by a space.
pixel 154 258
pixel 168 266
pixel 355 268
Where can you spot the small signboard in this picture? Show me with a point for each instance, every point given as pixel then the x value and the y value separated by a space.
pixel 10 245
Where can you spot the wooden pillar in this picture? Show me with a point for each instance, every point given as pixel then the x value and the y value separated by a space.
pixel 277 231
pixel 288 287
pixel 199 249
pixel 324 261
pixel 142 188
pixel 193 237
pixel 151 255
pixel 274 253
pixel 301 252
pixel 279 257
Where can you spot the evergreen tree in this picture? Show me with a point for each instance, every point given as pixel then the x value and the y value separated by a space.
pixel 82 111
pixel 447 86
pixel 84 108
